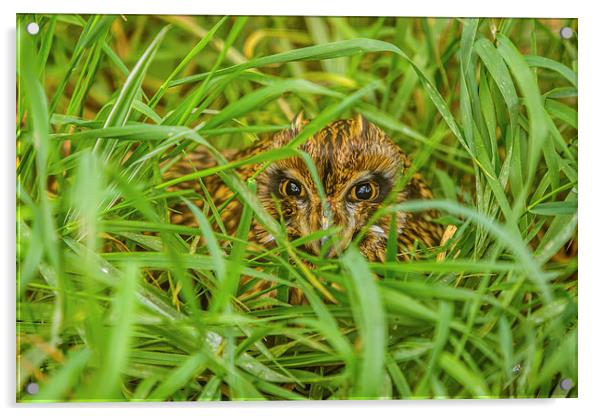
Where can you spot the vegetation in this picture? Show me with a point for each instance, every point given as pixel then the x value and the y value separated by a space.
pixel 115 303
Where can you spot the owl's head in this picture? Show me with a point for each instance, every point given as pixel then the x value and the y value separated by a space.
pixel 357 165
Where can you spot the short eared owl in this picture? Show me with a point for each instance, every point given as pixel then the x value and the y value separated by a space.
pixel 358 166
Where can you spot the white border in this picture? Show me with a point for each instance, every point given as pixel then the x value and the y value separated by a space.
pixel 590 346
pixel 463 8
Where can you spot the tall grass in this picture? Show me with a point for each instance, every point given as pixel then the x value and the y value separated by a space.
pixel 115 303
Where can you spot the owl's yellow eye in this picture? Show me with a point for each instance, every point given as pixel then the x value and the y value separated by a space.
pixel 289 187
pixel 365 191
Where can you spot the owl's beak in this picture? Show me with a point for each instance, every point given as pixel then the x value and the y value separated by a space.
pixel 333 244
pixel 326 220
pixel 324 241
pixel 326 223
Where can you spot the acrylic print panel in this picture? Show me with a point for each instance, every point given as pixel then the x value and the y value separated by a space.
pixel 283 208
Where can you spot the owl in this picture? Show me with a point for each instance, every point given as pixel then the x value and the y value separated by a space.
pixel 358 167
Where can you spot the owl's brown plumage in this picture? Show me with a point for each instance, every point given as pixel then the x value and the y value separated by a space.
pixel 358 166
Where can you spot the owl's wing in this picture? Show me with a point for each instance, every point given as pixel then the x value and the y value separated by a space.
pixel 195 161
pixel 419 226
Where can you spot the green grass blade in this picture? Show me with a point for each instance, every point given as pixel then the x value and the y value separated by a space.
pixel 123 105
pixel 547 63
pixel 472 382
pixel 538 130
pixel 198 48
pixel 317 52
pixel 176 379
pixel 369 316
pixel 115 360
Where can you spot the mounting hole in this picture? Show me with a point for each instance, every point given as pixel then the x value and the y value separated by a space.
pixel 566 384
pixel 33 28
pixel 566 32
pixel 32 388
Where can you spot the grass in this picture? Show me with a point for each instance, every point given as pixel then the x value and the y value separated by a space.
pixel 115 303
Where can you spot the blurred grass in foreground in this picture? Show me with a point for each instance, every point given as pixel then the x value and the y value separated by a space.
pixel 114 303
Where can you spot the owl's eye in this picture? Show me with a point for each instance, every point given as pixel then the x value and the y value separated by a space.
pixel 365 191
pixel 289 187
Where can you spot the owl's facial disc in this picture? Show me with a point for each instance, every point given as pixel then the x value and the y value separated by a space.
pixel 346 210
pixel 357 165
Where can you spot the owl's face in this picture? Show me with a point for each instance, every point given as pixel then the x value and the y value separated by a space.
pixel 357 165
